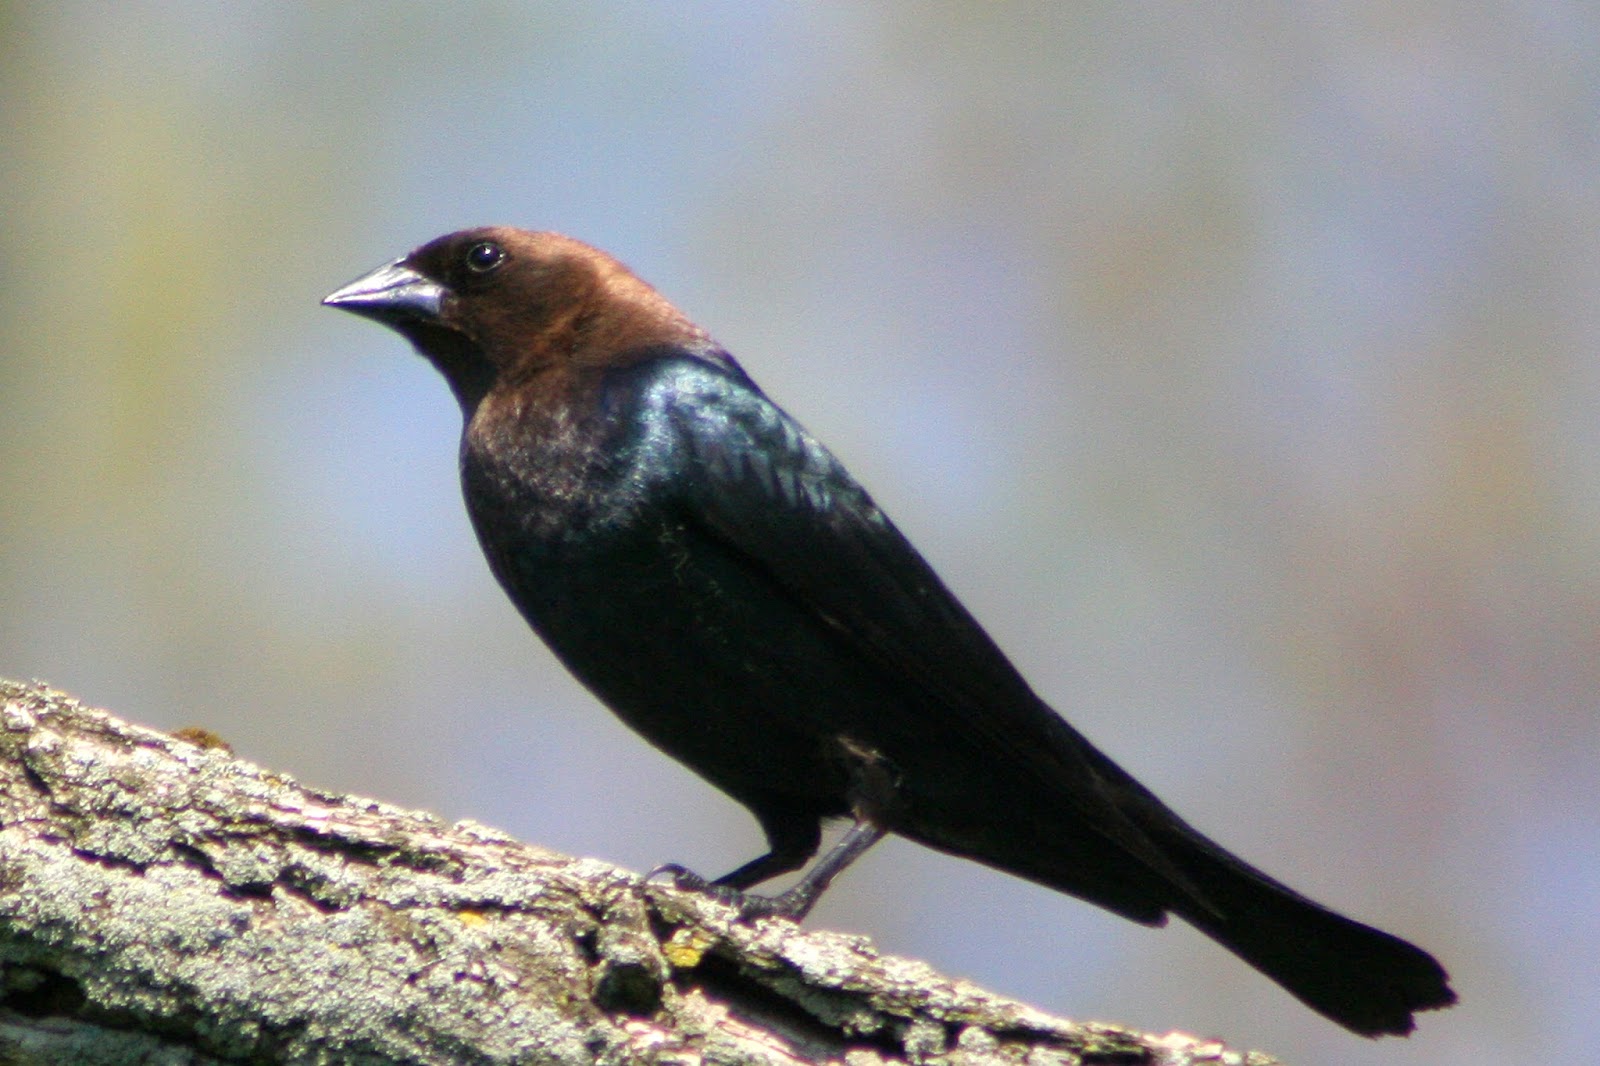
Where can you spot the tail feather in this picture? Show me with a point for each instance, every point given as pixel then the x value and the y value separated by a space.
pixel 1363 978
pixel 1134 856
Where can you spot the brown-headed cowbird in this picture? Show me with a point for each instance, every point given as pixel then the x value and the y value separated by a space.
pixel 714 575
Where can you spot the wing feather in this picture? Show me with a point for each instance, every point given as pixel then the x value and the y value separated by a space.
pixel 772 494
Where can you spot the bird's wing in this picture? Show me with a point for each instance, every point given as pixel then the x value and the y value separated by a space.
pixel 771 493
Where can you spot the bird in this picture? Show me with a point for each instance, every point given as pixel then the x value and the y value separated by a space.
pixel 713 575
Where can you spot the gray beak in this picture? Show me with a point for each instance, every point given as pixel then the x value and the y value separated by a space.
pixel 391 294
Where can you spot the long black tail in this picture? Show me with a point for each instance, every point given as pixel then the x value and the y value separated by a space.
pixel 1081 824
pixel 1361 977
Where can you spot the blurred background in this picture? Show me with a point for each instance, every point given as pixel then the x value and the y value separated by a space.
pixel 1236 365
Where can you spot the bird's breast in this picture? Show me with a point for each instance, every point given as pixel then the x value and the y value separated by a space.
pixel 681 639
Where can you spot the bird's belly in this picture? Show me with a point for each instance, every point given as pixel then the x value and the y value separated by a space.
pixel 708 661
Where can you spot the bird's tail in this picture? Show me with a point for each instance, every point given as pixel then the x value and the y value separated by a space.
pixel 1363 978
pixel 1105 838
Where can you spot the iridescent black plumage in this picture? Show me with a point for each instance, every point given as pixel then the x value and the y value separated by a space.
pixel 717 578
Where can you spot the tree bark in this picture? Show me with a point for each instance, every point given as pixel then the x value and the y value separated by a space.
pixel 162 901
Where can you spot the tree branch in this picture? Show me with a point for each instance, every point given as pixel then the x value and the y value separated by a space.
pixel 161 900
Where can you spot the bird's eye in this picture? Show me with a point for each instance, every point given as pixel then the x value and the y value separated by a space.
pixel 485 256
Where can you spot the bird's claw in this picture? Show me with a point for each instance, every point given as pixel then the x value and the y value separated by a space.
pixel 676 876
pixel 681 877
pixel 749 905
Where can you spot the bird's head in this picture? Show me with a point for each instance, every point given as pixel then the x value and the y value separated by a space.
pixel 496 306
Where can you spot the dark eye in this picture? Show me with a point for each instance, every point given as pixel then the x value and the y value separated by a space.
pixel 484 256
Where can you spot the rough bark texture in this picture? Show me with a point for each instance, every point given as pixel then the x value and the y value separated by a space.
pixel 164 902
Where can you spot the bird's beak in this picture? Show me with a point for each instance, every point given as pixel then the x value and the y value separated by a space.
pixel 391 294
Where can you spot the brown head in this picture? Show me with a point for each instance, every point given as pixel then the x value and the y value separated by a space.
pixel 496 306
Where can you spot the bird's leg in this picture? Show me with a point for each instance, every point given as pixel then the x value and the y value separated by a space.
pixel 766 867
pixel 793 836
pixel 873 791
pixel 729 888
pixel 873 787
pixel 798 901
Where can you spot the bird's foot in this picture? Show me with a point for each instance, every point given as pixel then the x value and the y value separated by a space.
pixel 686 879
pixel 749 905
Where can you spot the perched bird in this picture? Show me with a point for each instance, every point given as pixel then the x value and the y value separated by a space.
pixel 714 575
